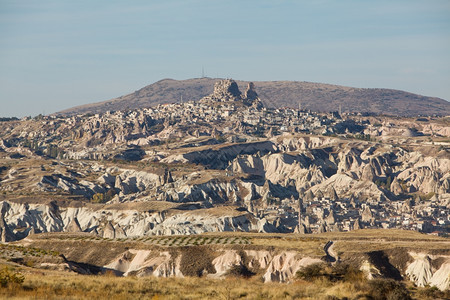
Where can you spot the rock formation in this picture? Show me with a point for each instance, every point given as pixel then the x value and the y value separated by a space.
pixel 224 91
pixel 108 231
pixel 250 94
pixel 227 90
pixel 6 235
pixel 357 224
pixel 74 226
pixel 396 188
pixel 367 215
pixel 419 271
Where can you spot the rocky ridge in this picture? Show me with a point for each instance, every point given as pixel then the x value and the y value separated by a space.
pixel 227 90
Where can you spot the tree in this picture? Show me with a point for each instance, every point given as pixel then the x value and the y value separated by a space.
pixel 98 198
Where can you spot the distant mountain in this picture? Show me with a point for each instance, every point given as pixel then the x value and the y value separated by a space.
pixel 313 96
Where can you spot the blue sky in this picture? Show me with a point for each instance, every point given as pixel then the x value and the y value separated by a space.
pixel 59 54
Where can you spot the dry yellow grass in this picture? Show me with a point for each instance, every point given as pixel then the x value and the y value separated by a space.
pixel 306 246
pixel 56 285
pixel 354 241
pixel 139 206
pixel 69 286
pixel 382 239
pixel 49 284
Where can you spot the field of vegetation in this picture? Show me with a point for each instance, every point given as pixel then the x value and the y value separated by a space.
pixel 381 237
pixel 24 276
pixel 314 282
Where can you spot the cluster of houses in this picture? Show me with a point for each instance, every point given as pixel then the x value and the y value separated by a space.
pixel 232 117
pixel 326 214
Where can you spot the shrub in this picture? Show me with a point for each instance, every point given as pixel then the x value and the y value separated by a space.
pixel 110 194
pixel 387 289
pixel 8 277
pixel 240 270
pixel 335 273
pixel 433 293
pixel 312 272
pixel 346 272
pixel 221 139
pixel 196 260
pixel 428 196
pixel 98 198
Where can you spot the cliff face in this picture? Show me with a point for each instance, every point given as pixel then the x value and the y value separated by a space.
pixel 111 222
pixel 281 267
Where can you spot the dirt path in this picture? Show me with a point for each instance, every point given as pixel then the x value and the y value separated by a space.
pixel 331 255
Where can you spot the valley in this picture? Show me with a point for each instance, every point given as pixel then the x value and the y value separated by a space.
pixel 198 188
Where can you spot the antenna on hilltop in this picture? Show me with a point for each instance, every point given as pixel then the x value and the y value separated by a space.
pixel 203 72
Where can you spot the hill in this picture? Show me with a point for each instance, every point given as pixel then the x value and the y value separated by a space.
pixel 314 96
pixel 372 264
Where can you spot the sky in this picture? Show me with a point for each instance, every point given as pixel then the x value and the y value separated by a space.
pixel 59 54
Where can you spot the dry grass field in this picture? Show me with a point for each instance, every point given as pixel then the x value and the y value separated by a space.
pixel 351 243
pixel 322 282
pixel 54 285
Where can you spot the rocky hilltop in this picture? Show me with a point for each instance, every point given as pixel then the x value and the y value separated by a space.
pixel 277 94
pixel 227 90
